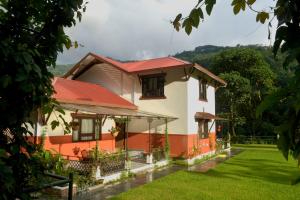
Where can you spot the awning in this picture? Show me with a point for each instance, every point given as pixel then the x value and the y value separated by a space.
pixel 108 111
pixel 205 115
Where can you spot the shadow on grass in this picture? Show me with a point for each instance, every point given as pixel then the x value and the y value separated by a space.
pixel 257 169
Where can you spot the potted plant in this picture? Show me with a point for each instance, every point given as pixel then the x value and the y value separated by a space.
pixel 74 125
pixel 114 131
pixel 76 150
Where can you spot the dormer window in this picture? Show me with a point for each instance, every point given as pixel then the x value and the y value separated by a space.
pixel 153 86
pixel 202 89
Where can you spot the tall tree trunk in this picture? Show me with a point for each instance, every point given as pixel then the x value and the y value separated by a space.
pixel 231 121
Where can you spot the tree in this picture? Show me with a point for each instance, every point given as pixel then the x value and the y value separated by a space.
pixel 32 34
pixel 249 80
pixel 287 40
pixel 233 98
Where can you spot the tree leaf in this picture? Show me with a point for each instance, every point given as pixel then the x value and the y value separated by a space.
pixel 195 18
pixel 209 5
pixel 188 29
pixel 251 2
pixel 176 22
pixel 262 17
pixel 178 17
pixel 201 15
pixel 236 9
pixel 54 124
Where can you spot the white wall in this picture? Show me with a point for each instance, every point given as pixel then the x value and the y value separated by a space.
pixel 182 97
pixel 174 105
pixel 195 105
pixel 58 131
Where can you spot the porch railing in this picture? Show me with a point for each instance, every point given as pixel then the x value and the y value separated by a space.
pixel 158 154
pixel 108 164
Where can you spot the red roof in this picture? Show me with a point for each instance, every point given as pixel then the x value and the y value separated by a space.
pixel 156 63
pixel 134 66
pixel 77 92
pixel 137 66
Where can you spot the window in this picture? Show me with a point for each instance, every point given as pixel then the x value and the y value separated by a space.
pixel 203 129
pixel 202 89
pixel 153 86
pixel 85 130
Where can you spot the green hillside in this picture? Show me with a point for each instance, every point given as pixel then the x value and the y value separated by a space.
pixel 60 70
pixel 204 55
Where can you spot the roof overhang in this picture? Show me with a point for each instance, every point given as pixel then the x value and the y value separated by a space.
pixel 109 111
pixel 210 74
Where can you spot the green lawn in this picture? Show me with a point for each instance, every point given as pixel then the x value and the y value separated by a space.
pixel 259 172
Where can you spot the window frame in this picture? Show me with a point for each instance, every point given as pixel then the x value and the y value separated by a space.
pixel 79 117
pixel 202 89
pixel 203 132
pixel 152 76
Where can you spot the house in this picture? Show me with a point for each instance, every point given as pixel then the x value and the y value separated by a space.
pixel 165 100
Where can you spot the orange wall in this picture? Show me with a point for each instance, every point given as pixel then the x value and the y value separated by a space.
pixel 180 145
pixel 198 146
pixel 64 145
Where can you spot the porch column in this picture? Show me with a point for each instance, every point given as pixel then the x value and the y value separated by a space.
pixel 150 156
pixel 126 137
pixel 167 144
pixel 99 131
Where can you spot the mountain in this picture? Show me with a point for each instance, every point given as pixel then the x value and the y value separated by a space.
pixel 60 70
pixel 204 55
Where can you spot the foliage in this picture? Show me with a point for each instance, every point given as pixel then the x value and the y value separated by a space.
pixel 249 80
pixel 60 70
pixel 51 162
pixel 257 173
pixel 32 34
pixel 233 98
pixel 114 130
pixel 287 40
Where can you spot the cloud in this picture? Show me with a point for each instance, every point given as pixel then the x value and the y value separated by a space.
pixel 140 29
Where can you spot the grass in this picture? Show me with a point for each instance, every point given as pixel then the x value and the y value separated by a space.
pixel 259 172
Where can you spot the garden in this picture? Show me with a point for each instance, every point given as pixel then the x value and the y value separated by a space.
pixel 258 172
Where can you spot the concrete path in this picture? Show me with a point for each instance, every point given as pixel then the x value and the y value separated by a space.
pixel 108 191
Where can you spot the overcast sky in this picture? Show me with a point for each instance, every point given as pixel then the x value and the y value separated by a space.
pixel 141 29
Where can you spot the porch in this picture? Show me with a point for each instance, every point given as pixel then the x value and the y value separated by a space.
pixel 108 164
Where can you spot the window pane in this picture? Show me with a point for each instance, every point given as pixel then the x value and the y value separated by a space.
pixel 203 129
pixel 153 86
pixel 86 137
pixel 75 135
pixel 87 126
pixel 202 89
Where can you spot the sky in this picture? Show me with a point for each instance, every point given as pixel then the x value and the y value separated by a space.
pixel 141 29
